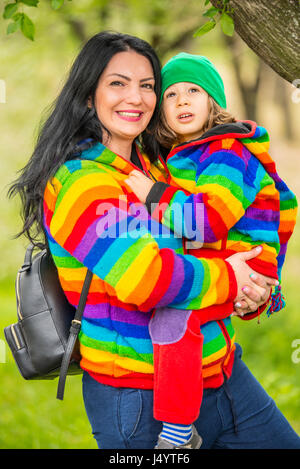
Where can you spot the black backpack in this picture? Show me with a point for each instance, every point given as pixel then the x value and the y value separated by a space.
pixel 42 340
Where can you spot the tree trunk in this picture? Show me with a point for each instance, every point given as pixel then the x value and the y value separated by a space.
pixel 271 29
pixel 248 90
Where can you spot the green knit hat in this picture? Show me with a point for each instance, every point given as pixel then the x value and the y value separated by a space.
pixel 196 69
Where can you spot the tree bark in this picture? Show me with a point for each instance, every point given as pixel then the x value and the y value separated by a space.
pixel 271 29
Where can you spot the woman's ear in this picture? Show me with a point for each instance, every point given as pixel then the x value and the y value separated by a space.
pixel 89 103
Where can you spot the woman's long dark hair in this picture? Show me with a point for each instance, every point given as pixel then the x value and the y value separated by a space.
pixel 71 121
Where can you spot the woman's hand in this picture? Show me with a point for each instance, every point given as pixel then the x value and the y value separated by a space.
pixel 253 289
pixel 139 184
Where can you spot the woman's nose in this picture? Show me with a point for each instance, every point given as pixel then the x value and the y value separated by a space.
pixel 134 95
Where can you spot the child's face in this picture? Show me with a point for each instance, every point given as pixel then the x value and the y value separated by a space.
pixel 186 109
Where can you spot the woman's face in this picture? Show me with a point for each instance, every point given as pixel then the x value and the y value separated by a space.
pixel 125 99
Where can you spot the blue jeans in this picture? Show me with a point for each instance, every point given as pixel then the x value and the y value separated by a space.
pixel 238 415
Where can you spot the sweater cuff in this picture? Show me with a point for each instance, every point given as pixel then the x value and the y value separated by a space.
pixel 232 282
pixel 159 198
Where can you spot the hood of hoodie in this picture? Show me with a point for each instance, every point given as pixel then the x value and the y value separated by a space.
pixel 254 137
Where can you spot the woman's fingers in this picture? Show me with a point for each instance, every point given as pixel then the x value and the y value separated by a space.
pixel 263 281
pixel 255 292
pixel 253 287
pixel 247 255
pixel 240 308
pixel 135 172
pixel 136 175
pixel 257 296
pixel 259 279
pixel 244 306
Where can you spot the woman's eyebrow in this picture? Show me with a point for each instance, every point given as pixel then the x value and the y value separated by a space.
pixel 147 79
pixel 129 79
pixel 119 75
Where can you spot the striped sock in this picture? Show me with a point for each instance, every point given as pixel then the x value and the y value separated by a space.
pixel 177 434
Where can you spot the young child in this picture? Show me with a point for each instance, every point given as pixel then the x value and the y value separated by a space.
pixel 223 189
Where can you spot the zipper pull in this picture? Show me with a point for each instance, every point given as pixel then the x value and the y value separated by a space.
pixel 154 179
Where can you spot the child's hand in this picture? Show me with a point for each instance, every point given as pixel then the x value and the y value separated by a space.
pixel 139 184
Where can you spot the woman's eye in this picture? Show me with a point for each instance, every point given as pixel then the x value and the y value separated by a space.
pixel 148 86
pixel 170 95
pixel 194 90
pixel 116 83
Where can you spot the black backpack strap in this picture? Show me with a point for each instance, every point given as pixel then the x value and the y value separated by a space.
pixel 74 331
pixel 27 259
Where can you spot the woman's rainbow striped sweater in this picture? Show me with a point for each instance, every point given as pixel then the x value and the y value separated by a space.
pixel 93 220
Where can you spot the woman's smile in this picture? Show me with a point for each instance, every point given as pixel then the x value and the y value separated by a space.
pixel 130 115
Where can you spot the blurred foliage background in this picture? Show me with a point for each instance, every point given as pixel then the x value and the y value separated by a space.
pixel 33 72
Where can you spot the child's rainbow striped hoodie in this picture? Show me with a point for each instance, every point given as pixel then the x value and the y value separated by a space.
pixel 230 175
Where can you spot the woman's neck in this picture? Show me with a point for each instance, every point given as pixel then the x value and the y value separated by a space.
pixel 120 147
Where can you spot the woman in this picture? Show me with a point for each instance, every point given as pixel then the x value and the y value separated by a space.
pixel 73 189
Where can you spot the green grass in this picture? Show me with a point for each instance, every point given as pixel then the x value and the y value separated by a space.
pixel 268 346
pixel 30 415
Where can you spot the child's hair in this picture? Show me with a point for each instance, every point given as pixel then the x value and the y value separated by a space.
pixel 216 115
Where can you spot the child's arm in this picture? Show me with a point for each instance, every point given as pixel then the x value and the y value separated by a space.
pixel 224 189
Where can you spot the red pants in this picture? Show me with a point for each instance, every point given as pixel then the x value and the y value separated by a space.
pixel 178 383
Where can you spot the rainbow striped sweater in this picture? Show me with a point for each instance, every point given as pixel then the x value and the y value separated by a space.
pixel 93 220
pixel 224 192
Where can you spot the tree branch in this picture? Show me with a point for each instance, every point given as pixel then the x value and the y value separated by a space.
pixel 271 29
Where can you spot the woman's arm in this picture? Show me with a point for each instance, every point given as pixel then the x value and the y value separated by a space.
pixel 86 214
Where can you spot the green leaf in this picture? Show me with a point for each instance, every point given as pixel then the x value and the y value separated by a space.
pixel 205 28
pixel 27 27
pixel 206 2
pixel 56 4
pixel 18 17
pixel 10 10
pixel 211 12
pixel 227 24
pixel 13 27
pixel 30 3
